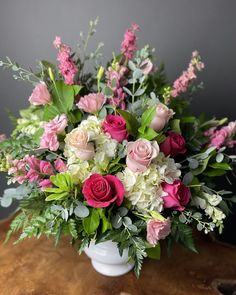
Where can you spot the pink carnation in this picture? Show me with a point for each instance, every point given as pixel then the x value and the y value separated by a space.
pixel 51 129
pixel 67 67
pixel 40 95
pixel 157 230
pixel 128 45
pixel 91 103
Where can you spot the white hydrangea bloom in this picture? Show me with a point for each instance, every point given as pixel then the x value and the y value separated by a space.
pixel 168 169
pixel 143 189
pixel 92 126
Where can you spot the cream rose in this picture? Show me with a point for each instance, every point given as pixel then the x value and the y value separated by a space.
pixel 140 154
pixel 78 141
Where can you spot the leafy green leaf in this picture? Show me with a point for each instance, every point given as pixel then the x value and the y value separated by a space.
pixel 154 252
pixel 148 134
pixel 222 166
pixel 175 125
pixel 91 222
pixel 202 166
pixel 132 124
pixel 147 116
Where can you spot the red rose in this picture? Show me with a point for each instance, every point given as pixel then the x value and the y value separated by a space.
pixel 102 191
pixel 116 126
pixel 173 145
pixel 178 195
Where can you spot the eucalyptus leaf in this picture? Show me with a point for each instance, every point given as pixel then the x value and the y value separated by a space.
pixel 81 211
pixel 219 158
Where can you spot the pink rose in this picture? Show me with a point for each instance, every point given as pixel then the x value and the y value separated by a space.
pixel 77 141
pixel 173 145
pixel 40 95
pixel 157 230
pixel 3 137
pixel 140 154
pixel 91 103
pixel 146 66
pixel 102 191
pixel 49 141
pixel 59 165
pixel 162 117
pixel 178 195
pixel 45 183
pixel 116 126
pixel 46 168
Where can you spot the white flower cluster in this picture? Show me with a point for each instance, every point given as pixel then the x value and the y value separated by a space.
pixel 144 189
pixel 208 203
pixel 104 146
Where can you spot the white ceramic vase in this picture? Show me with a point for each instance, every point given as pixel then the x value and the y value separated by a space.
pixel 106 259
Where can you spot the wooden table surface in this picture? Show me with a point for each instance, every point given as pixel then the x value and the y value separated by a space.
pixel 36 267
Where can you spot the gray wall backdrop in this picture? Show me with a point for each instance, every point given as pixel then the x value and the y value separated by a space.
pixel 174 27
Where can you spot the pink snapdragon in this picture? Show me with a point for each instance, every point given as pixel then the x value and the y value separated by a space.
pixel 67 67
pixel 182 83
pixel 115 79
pixel 51 129
pixel 128 45
pixel 60 165
pixel 223 136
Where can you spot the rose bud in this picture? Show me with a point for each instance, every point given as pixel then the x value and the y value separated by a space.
pixel 162 117
pixel 173 145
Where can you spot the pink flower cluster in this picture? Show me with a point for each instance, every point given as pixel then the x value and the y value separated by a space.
pixel 66 65
pixel 51 129
pixel 182 83
pixel 3 137
pixel 223 136
pixel 32 169
pixel 116 80
pixel 128 45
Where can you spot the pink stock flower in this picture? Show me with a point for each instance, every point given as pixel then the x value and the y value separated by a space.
pixel 102 191
pixel 59 165
pixel 40 95
pixel 157 230
pixel 140 154
pixel 177 195
pixel 182 83
pixel 45 183
pixel 116 126
pixel 46 168
pixel 32 161
pixel 32 175
pixel 223 136
pixel 128 45
pixel 66 65
pixel 91 103
pixel 3 137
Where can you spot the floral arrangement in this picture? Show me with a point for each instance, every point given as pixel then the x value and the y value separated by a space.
pixel 115 153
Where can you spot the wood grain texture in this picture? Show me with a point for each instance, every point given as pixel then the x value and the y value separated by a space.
pixel 36 267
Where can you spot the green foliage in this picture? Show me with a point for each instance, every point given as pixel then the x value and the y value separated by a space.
pixel 91 223
pixel 154 252
pixel 63 100
pixel 64 187
pixel 132 124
